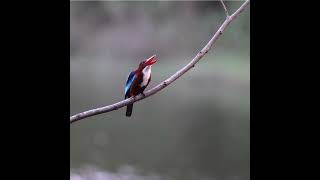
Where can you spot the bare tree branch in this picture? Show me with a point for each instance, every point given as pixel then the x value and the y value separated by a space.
pixel 168 81
pixel 225 8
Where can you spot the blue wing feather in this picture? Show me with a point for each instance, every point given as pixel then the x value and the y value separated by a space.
pixel 129 82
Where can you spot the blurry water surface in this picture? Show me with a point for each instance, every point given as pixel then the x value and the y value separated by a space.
pixel 196 128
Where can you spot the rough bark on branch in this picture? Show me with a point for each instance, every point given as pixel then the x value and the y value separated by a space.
pixel 168 81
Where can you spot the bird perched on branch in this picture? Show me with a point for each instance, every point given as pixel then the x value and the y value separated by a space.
pixel 138 80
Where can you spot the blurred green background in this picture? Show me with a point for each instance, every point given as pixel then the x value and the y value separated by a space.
pixel 196 128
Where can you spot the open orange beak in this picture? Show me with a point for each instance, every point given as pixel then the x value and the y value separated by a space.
pixel 151 60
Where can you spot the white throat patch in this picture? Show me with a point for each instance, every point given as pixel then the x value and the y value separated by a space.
pixel 146 75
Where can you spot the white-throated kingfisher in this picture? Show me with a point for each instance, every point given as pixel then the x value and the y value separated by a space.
pixel 138 80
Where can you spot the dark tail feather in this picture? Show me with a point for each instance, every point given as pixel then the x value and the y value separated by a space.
pixel 129 110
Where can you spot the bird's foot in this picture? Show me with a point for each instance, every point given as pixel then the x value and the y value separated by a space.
pixel 143 94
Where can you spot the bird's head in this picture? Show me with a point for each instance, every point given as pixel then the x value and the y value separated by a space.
pixel 148 62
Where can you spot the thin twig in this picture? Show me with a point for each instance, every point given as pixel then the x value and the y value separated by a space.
pixel 225 8
pixel 168 81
